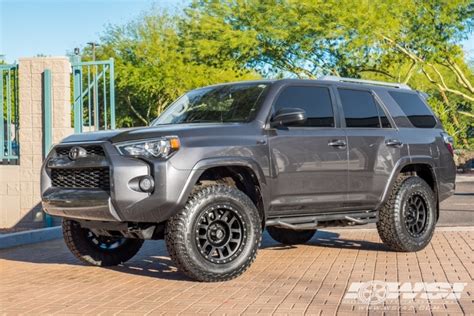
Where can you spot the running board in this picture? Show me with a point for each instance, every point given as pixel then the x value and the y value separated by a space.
pixel 324 220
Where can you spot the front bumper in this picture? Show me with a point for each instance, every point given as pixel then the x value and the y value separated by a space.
pixel 121 201
pixel 86 204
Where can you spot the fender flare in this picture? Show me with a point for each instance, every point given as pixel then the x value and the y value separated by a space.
pixel 402 163
pixel 201 166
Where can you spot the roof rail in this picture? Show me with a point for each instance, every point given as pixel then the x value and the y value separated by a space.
pixel 372 82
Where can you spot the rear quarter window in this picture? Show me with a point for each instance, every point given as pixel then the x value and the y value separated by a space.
pixel 414 108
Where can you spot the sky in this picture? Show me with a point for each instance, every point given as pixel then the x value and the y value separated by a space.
pixel 56 27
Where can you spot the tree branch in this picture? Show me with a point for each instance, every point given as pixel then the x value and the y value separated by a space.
pixel 462 79
pixel 441 82
pixel 445 86
pixel 410 72
pixel 377 71
pixel 140 117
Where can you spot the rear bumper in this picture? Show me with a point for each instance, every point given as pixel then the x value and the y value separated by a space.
pixel 123 201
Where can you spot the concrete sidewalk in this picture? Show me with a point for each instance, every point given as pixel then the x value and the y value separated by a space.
pixel 317 279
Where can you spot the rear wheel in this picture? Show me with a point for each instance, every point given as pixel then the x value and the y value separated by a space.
pixel 290 236
pixel 407 221
pixel 98 250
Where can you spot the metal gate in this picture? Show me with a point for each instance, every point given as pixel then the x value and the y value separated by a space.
pixel 9 145
pixel 93 95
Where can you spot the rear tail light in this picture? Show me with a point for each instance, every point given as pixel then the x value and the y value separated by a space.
pixel 449 142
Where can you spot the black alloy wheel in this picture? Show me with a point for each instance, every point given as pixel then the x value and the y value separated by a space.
pixel 98 250
pixel 215 237
pixel 416 215
pixel 408 219
pixel 105 242
pixel 220 234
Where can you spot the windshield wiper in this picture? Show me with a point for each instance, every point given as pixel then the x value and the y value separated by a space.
pixel 199 121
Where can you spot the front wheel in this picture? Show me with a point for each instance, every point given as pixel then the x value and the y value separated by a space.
pixel 98 250
pixel 216 236
pixel 407 221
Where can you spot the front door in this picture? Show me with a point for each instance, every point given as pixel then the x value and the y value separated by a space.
pixel 309 160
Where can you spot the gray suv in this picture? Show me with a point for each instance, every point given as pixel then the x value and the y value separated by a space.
pixel 225 162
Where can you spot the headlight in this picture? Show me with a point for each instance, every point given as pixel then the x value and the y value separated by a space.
pixel 159 147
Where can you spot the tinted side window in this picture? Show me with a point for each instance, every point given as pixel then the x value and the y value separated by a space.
pixel 383 117
pixel 316 101
pixel 414 108
pixel 360 109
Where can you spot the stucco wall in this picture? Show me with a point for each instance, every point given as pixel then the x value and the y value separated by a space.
pixel 20 185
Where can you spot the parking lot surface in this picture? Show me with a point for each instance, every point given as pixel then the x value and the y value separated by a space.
pixel 317 278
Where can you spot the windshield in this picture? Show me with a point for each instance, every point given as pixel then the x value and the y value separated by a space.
pixel 220 104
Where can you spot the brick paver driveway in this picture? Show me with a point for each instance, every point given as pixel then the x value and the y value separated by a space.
pixel 311 279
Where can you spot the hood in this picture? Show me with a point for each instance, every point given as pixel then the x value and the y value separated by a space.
pixel 181 130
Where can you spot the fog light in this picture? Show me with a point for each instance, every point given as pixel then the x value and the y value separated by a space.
pixel 146 184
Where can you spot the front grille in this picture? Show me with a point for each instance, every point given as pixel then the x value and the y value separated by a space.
pixel 98 178
pixel 92 150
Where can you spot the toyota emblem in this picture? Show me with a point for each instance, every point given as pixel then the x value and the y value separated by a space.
pixel 77 152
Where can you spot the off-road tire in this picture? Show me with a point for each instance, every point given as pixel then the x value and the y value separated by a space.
pixel 289 236
pixel 85 250
pixel 181 234
pixel 391 225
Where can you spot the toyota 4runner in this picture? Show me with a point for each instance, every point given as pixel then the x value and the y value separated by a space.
pixel 225 162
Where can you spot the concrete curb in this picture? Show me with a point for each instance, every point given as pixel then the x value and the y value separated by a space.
pixel 30 237
pixel 437 229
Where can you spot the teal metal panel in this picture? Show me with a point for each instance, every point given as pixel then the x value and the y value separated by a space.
pixel 9 145
pixel 47 113
pixel 77 95
pixel 95 98
pixel 90 86
pixel 93 63
pixel 9 113
pixel 89 104
pixel 47 126
pixel 112 93
pixel 2 131
pixel 104 99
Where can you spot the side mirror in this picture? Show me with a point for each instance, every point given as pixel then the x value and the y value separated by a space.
pixel 287 116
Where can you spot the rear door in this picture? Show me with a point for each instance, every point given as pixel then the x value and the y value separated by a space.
pixel 309 161
pixel 374 146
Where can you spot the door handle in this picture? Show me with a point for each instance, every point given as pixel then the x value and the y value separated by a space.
pixel 393 143
pixel 337 143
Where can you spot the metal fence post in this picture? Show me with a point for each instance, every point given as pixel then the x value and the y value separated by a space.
pixel 47 125
pixel 91 93
pixel 77 84
pixel 47 113
pixel 112 94
pixel 9 113
pixel 95 98
pixel 2 132
pixel 9 145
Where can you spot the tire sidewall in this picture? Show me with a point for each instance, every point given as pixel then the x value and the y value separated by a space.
pixel 84 249
pixel 415 186
pixel 249 218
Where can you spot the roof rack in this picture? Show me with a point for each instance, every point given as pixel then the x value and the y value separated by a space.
pixel 372 82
